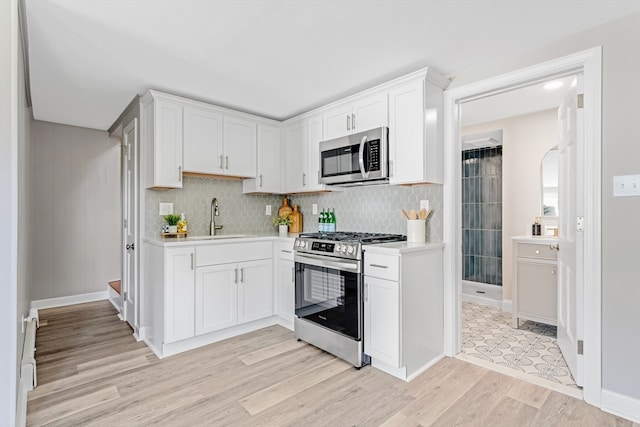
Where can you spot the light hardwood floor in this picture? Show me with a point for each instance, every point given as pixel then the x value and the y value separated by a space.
pixel 92 372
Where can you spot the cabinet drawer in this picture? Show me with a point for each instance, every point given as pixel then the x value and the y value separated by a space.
pixel 285 250
pixel 232 252
pixel 530 250
pixel 382 266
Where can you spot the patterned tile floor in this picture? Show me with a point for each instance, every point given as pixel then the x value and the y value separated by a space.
pixel 487 334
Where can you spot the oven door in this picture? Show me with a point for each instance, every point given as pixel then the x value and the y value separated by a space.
pixel 329 293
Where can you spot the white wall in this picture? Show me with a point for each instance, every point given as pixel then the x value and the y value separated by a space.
pixel 525 141
pixel 76 210
pixel 620 156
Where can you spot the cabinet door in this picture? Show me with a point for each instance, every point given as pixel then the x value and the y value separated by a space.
pixel 337 122
pixel 294 155
pixel 286 289
pixel 314 136
pixel 179 294
pixel 370 112
pixel 239 147
pixel 268 178
pixel 167 145
pixel 216 296
pixel 537 290
pixel 382 320
pixel 255 290
pixel 202 141
pixel 406 134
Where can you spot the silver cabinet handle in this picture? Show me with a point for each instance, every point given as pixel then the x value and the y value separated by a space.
pixel 192 263
pixel 348 122
pixel 553 272
pixel 537 251
pixel 179 173
pixel 221 165
pixel 235 280
pixel 366 292
pixel 226 160
pixel 260 180
pixel 304 179
pixel 293 274
pixel 378 266
pixel 555 247
pixel 353 121
pixel 390 168
pixel 242 275
pixel 285 251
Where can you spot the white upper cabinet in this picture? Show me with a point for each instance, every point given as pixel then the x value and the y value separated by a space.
pixel 202 140
pixel 268 177
pixel 239 147
pixel 161 141
pixel 415 133
pixel 294 157
pixel 314 136
pixel 358 115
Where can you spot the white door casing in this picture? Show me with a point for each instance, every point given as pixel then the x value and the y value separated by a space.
pixel 570 292
pixel 129 289
pixel 589 64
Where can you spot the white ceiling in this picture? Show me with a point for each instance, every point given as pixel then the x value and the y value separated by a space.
pixel 275 58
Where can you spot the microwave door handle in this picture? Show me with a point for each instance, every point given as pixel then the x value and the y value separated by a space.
pixel 365 173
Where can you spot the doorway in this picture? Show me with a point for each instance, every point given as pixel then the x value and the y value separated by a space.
pixel 129 293
pixel 587 63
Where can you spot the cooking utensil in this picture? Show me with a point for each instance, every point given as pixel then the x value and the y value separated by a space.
pixel 404 214
pixel 423 214
pixel 412 214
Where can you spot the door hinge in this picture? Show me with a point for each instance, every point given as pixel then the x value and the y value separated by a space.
pixel 125 149
pixel 580 347
pixel 124 295
pixel 580 223
pixel 581 100
pixel 125 223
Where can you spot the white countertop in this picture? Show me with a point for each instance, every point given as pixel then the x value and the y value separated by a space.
pixel 218 239
pixel 402 247
pixel 541 240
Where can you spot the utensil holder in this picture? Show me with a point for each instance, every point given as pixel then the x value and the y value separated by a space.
pixel 416 230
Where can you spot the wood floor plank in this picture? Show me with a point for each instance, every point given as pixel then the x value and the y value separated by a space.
pixel 276 393
pixel 95 373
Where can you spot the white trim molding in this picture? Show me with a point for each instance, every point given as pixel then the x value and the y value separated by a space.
pixel 621 405
pixel 589 64
pixel 69 300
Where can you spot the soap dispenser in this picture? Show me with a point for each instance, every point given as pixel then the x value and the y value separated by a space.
pixel 536 228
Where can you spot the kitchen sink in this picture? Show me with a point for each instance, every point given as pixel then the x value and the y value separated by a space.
pixel 220 237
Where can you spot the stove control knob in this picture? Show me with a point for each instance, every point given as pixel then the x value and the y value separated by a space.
pixel 350 249
pixel 301 244
pixel 343 248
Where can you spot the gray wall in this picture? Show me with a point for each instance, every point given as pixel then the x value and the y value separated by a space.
pixel 620 156
pixel 371 209
pixel 76 210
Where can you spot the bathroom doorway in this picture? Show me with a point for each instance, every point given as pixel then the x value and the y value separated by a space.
pixel 587 63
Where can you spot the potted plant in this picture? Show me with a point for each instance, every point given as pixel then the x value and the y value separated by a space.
pixel 283 223
pixel 172 220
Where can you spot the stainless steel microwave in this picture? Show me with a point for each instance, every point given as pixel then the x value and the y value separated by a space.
pixel 357 159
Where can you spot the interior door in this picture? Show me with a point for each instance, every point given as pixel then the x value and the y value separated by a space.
pixel 570 240
pixel 130 215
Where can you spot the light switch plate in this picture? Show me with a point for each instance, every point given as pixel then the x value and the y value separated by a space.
pixel 267 210
pixel 424 204
pixel 166 208
pixel 626 185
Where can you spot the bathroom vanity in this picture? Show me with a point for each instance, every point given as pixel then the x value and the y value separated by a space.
pixel 535 293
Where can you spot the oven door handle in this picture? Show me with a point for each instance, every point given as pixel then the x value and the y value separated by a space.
pixel 320 261
pixel 365 173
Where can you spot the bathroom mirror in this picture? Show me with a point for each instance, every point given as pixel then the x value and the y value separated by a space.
pixel 549 175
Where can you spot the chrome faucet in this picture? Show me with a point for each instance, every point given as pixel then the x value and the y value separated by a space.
pixel 214 212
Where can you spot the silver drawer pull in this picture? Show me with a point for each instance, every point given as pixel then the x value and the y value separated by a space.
pixel 554 247
pixel 553 272
pixel 286 252
pixel 378 266
pixel 537 251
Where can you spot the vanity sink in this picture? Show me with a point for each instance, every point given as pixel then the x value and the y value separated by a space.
pixel 225 236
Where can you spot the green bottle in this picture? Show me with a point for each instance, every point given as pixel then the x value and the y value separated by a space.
pixel 332 220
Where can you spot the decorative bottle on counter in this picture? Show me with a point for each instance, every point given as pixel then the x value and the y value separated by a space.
pixel 296 220
pixel 536 228
pixel 285 209
pixel 332 221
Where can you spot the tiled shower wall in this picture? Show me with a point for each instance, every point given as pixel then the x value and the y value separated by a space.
pixel 370 209
pixel 482 215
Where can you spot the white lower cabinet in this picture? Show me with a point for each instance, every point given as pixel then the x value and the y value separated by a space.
pixel 255 290
pixel 179 276
pixel 216 298
pixel 403 308
pixel 286 283
pixel 382 320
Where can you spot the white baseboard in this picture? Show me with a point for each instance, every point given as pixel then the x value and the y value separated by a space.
pixel 69 300
pixel 621 405
pixel 21 410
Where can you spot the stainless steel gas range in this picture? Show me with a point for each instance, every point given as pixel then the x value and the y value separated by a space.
pixel 328 291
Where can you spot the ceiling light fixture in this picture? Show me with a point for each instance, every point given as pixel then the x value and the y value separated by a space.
pixel 553 85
